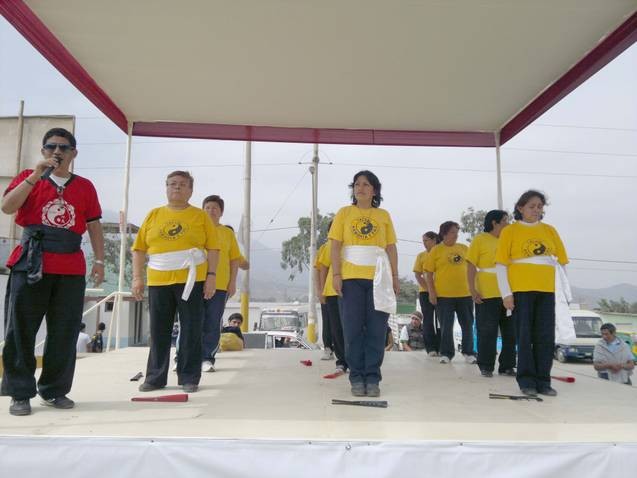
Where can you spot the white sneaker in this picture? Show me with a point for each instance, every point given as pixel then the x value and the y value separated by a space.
pixel 433 354
pixel 327 354
pixel 206 366
pixel 470 358
pixel 444 359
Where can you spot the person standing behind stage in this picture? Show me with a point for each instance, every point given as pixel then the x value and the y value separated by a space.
pixel 490 312
pixel 526 259
pixel 430 331
pixel 226 283
pixel 48 273
pixel 183 248
pixel 333 307
pixel 364 245
pixel 446 275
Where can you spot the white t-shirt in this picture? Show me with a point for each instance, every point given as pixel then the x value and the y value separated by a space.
pixel 82 341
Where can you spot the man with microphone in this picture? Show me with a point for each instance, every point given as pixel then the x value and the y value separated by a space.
pixel 54 207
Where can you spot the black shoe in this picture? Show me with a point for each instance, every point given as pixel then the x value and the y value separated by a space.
pixel 20 407
pixel 373 390
pixel 358 389
pixel 530 391
pixel 486 373
pixel 63 403
pixel 549 392
pixel 190 387
pixel 148 387
pixel 509 372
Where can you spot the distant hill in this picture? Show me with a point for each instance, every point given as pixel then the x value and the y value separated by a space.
pixel 589 298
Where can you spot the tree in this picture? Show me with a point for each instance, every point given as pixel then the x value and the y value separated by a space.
pixel 408 291
pixel 472 222
pixel 111 257
pixel 621 306
pixel 295 252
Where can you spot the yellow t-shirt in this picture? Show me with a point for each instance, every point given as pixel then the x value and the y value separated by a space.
pixel 325 259
pixel 449 267
pixel 419 266
pixel 361 227
pixel 520 240
pixel 229 251
pixel 169 230
pixel 482 255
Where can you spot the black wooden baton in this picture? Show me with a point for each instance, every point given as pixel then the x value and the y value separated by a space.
pixel 361 403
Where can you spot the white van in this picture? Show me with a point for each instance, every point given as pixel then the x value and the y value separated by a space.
pixel 587 325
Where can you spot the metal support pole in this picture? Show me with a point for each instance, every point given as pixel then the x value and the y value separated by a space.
pixel 18 168
pixel 245 233
pixel 311 315
pixel 498 169
pixel 123 245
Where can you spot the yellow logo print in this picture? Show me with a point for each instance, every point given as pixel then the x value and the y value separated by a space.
pixel 172 231
pixel 455 258
pixel 364 227
pixel 535 247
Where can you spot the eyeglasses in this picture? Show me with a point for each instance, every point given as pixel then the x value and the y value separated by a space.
pixel 178 185
pixel 53 146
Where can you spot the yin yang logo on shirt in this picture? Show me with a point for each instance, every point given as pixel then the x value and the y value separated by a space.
pixel 172 230
pixel 58 213
pixel 455 258
pixel 535 247
pixel 364 227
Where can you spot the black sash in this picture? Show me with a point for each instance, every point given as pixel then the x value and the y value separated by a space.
pixel 39 238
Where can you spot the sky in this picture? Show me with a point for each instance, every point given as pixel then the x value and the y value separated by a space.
pixel 582 153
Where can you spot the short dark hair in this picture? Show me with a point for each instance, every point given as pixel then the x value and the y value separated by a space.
pixel 445 227
pixel 235 316
pixel 373 180
pixel 525 198
pixel 183 174
pixel 493 215
pixel 61 132
pixel 101 326
pixel 433 235
pixel 213 198
pixel 610 327
pixel 82 326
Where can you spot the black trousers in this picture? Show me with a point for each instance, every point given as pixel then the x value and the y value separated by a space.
pixel 336 327
pixel 164 301
pixel 61 299
pixel 463 307
pixel 491 315
pixel 430 330
pixel 326 333
pixel 534 315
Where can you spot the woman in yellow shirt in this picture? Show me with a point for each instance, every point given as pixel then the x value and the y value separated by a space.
pixel 526 259
pixel 430 330
pixel 490 312
pixel 446 275
pixel 183 249
pixel 364 245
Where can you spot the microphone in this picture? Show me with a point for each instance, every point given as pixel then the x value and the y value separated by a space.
pixel 50 169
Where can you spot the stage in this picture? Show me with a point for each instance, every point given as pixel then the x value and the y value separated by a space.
pixel 263 407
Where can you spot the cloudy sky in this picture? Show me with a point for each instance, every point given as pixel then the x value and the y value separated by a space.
pixel 582 153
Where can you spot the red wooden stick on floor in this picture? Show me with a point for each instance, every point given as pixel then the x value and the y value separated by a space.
pixel 563 379
pixel 178 397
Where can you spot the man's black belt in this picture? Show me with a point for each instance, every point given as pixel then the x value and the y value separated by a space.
pixel 39 238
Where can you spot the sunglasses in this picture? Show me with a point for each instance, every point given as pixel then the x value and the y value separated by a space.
pixel 53 146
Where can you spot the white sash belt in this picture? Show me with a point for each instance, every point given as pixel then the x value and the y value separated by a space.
pixel 488 270
pixel 374 256
pixel 564 328
pixel 172 261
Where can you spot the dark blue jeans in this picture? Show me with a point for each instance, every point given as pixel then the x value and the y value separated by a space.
pixel 463 307
pixel 213 313
pixel 326 329
pixel 491 315
pixel 534 315
pixel 364 331
pixel 336 327
pixel 429 329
